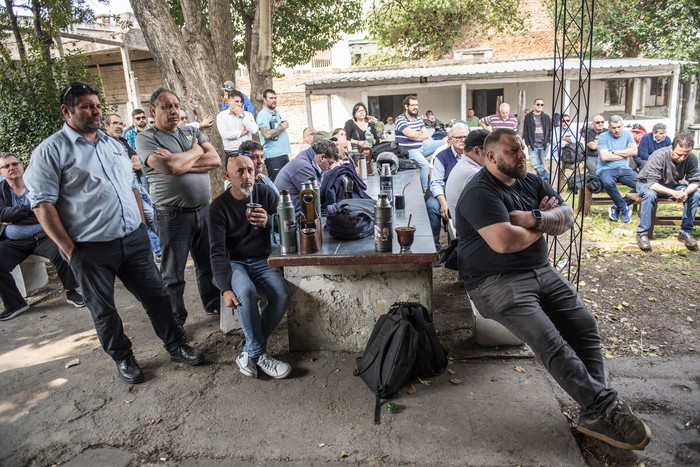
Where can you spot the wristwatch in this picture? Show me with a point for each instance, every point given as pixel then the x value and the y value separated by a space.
pixel 538 217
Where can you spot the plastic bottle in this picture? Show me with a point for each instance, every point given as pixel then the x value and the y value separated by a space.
pixel 383 228
pixel 287 224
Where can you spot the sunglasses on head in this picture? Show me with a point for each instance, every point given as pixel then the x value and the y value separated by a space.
pixel 11 164
pixel 76 87
pixel 238 153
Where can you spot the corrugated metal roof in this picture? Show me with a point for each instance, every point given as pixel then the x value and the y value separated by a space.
pixel 477 70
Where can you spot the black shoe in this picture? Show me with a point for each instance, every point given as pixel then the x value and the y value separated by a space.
pixel 130 371
pixel 187 355
pixel 9 314
pixel 643 241
pixel 214 312
pixel 688 240
pixel 618 426
pixel 75 299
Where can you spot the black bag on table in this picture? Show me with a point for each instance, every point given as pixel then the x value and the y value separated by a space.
pixel 389 146
pixel 350 218
pixel 403 345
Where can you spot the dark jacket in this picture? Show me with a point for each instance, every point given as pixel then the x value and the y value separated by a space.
pixel 529 129
pixel 9 214
pixel 332 181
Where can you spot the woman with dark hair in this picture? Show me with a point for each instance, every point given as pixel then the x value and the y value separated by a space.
pixel 359 130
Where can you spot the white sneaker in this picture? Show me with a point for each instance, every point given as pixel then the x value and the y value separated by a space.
pixel 273 367
pixel 247 365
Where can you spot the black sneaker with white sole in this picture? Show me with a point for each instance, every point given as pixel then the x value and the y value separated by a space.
pixel 9 314
pixel 75 299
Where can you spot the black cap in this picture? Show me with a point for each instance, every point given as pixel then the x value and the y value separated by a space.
pixel 476 138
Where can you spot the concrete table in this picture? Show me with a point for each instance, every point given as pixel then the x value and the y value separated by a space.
pixel 339 292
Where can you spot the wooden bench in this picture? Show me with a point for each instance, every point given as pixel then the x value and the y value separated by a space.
pixel 586 200
pixel 665 219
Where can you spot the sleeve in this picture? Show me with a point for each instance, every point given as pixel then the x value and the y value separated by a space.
pixel 401 124
pixel 199 134
pixel 263 120
pixel 226 128
pixel 654 168
pixel 437 179
pixel 527 123
pixel 693 173
pixel 545 189
pixel 13 214
pixel 248 105
pixel 486 120
pixel 145 146
pixel 373 130
pixel 220 266
pixel 482 207
pixel 643 149
pixel 43 176
pixel 603 142
pixel 249 122
pixel 350 130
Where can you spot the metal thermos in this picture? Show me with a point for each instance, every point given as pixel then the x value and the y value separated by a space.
pixel 362 162
pixel 386 183
pixel 287 223
pixel 383 229
pixel 308 197
pixel 317 189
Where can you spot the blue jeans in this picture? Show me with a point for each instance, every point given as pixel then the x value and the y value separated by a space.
pixel 96 264
pixel 544 311
pixel 419 155
pixel 250 276
pixel 537 160
pixel 184 232
pixel 433 206
pixel 22 232
pixel 611 177
pixel 148 214
pixel 649 198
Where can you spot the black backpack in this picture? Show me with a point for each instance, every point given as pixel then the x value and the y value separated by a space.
pixel 573 153
pixel 403 346
pixel 389 146
pixel 350 218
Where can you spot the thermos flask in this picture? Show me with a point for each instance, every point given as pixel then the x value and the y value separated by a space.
pixel 287 223
pixel 383 230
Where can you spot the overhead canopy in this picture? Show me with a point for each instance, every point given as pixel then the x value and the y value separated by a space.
pixel 501 71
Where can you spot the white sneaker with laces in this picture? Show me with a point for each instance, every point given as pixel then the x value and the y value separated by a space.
pixel 273 367
pixel 247 365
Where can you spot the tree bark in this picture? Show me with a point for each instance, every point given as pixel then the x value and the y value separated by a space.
pixel 260 66
pixel 188 59
pixel 9 6
pixel 43 38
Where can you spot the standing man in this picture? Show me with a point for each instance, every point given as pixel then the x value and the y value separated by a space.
pixel 83 194
pixel 227 90
pixel 177 161
pixel 139 123
pixel 537 133
pixel 413 136
pixel 273 134
pixel 240 246
pixel 592 136
pixel 21 235
pixel 466 168
pixel 671 172
pixel 614 149
pixel 502 217
pixel 235 124
pixel 472 120
pixel 443 163
pixel 113 128
pixel 503 119
pixel 651 142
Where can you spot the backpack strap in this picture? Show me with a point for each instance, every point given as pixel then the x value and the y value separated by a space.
pixel 377 411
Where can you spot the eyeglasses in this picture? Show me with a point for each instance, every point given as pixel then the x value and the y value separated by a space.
pixel 566 120
pixel 539 104
pixel 76 87
pixel 598 122
pixel 463 138
pixel 143 117
pixel 11 164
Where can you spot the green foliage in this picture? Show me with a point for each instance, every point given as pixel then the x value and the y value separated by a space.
pixel 667 29
pixel 428 29
pixel 379 58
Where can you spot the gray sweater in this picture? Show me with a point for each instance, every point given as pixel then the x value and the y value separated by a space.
pixel 661 169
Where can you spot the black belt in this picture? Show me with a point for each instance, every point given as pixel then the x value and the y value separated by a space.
pixel 178 209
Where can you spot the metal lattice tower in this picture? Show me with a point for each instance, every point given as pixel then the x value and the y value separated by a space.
pixel 573 48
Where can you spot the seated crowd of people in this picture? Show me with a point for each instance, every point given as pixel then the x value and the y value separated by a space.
pixel 120 203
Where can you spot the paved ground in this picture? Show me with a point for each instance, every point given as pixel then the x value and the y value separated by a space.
pixel 212 415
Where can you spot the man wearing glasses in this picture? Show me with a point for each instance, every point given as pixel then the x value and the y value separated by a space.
pixel 177 161
pixel 83 193
pixel 592 135
pixel 443 163
pixel 21 235
pixel 537 133
pixel 139 124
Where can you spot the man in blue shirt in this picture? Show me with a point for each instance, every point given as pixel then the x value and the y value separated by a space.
pixel 84 195
pixel 273 134
pixel 615 147
pixel 650 142
pixel 228 89
pixel 413 136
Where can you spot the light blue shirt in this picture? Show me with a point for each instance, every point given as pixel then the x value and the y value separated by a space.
pixel 89 183
pixel 609 142
pixel 278 146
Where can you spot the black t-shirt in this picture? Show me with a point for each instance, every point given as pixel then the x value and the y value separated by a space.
pixel 486 201
pixel 232 237
pixel 593 135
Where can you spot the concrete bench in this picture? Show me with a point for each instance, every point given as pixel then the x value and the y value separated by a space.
pixel 665 219
pixel 31 276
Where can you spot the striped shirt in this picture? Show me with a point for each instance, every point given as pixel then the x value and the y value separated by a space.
pixel 402 122
pixel 495 121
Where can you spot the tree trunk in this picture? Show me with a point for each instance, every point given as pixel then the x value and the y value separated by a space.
pixel 9 6
pixel 260 66
pixel 188 60
pixel 42 37
pixel 629 94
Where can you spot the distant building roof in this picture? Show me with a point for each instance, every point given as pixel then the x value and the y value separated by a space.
pixel 425 74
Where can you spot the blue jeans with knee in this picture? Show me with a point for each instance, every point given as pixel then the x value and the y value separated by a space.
pixel 183 233
pixel 433 207
pixel 544 311
pixel 250 277
pixel 649 197
pixel 537 160
pixel 611 177
pixel 419 155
